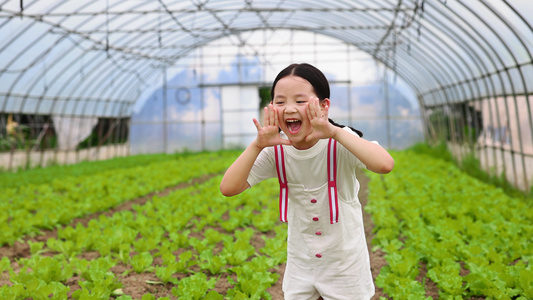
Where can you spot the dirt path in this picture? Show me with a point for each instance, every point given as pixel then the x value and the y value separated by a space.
pixel 377 258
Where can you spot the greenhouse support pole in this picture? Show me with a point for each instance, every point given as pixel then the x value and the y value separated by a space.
pixel 387 108
pixel 202 101
pixel 165 109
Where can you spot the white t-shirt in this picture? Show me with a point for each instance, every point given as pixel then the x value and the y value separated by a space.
pixel 309 167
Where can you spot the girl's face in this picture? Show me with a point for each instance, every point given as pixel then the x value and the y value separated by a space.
pixel 291 97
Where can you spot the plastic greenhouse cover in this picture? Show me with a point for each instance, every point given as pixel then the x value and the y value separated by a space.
pixel 104 54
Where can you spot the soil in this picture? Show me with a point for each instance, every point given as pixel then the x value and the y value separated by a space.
pixel 136 285
pixel 377 258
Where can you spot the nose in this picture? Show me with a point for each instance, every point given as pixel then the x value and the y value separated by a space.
pixel 290 108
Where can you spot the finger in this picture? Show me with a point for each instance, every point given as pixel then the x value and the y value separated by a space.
pixel 271 115
pixel 311 108
pixel 275 113
pixel 257 125
pixel 265 116
pixel 318 111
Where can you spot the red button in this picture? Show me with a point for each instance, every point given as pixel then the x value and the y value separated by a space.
pixel 313 201
pixel 318 233
pixel 315 219
pixel 318 255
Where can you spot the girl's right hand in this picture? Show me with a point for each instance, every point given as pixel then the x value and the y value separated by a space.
pixel 268 134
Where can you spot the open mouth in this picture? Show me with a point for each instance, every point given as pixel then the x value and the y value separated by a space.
pixel 293 126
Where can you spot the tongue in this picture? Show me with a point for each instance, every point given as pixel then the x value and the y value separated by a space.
pixel 294 126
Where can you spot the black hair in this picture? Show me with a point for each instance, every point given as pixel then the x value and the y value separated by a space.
pixel 358 132
pixel 317 79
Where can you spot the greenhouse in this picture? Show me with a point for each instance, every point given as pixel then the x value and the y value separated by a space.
pixel 111 112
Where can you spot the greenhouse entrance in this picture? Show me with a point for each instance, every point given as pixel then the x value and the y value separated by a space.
pixel 213 95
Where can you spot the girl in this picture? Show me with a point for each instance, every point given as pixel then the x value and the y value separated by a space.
pixel 327 254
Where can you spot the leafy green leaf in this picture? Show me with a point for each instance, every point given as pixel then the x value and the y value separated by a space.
pixel 142 262
pixel 194 287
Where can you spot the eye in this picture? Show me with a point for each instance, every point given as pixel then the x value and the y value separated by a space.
pixel 279 102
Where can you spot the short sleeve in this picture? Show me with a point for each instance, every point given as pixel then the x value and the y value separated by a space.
pixel 347 156
pixel 264 167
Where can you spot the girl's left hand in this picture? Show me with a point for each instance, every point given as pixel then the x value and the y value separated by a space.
pixel 318 116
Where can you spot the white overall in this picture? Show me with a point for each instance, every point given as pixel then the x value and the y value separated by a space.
pixel 326 254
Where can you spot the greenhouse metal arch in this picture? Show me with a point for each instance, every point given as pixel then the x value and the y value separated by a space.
pixel 72 73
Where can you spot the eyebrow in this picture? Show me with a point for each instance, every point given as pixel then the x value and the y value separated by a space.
pixel 301 95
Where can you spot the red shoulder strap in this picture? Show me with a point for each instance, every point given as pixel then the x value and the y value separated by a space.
pixel 332 182
pixel 283 187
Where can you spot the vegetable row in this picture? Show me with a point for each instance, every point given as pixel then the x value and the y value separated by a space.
pixel 28 209
pixel 85 168
pixel 471 238
pixel 191 239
